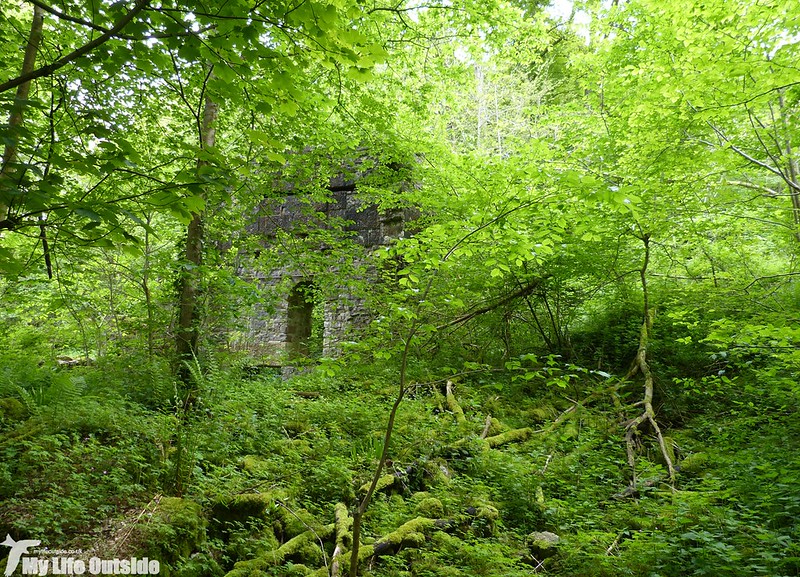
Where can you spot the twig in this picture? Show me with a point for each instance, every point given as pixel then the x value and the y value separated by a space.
pixel 132 526
pixel 615 543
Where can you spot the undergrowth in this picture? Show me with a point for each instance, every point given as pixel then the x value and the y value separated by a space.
pixel 88 460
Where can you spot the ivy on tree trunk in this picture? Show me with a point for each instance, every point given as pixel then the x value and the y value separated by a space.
pixel 188 332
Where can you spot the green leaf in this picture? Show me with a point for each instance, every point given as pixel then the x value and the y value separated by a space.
pixel 90 214
pixel 194 204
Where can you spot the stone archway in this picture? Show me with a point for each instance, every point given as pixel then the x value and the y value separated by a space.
pixel 303 337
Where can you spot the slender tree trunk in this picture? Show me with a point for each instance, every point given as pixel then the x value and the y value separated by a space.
pixel 642 365
pixel 792 169
pixel 148 300
pixel 188 332
pixel 16 117
pixel 48 261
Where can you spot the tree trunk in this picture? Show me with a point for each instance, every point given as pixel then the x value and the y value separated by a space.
pixel 16 117
pixel 641 364
pixel 791 161
pixel 188 332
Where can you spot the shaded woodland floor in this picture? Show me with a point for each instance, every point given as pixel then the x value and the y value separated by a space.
pixel 492 475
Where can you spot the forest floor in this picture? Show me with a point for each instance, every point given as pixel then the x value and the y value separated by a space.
pixel 492 475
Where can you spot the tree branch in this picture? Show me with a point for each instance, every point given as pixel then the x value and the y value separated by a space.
pixel 771 276
pixel 77 53
pixel 80 21
pixel 521 292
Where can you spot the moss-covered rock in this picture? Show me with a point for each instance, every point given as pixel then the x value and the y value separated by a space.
pixel 243 507
pixel 12 410
pixel 297 570
pixel 430 507
pixel 292 447
pixel 176 530
pixel 543 544
pixel 695 464
pixel 297 427
pixel 255 465
pixel 480 519
pixel 540 414
pixel 308 553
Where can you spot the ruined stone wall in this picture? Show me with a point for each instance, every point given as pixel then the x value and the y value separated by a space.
pixel 272 334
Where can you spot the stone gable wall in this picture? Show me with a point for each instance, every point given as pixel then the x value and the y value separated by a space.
pixel 268 336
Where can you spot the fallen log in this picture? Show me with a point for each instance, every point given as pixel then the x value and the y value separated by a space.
pixel 344 538
pixel 384 482
pixel 452 404
pixel 511 436
pixel 412 533
pixel 279 555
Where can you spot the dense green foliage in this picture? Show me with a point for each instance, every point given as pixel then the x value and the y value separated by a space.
pixel 580 358
pixel 90 461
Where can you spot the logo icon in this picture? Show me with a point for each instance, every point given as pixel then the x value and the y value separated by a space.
pixel 17 549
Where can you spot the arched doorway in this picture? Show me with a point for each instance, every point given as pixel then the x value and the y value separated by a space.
pixel 305 323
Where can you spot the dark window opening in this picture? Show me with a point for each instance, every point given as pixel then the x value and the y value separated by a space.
pixel 305 326
pixel 346 186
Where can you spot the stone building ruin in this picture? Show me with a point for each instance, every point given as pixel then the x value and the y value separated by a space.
pixel 307 320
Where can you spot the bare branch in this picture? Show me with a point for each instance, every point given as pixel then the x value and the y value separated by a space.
pixel 522 292
pixel 771 192
pixel 771 276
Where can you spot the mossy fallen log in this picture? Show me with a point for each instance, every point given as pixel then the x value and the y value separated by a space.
pixel 279 555
pixel 344 522
pixel 385 482
pixel 452 404
pixel 307 394
pixel 511 436
pixel 407 534
pixel 413 533
pixel 344 537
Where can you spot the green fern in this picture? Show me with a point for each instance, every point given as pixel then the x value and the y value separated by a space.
pixel 62 393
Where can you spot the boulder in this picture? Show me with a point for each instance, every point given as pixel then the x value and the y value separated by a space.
pixel 543 544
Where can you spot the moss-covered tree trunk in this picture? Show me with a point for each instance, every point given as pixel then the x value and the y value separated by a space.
pixel 16 117
pixel 190 282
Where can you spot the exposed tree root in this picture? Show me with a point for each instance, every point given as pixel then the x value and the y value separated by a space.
pixel 648 415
